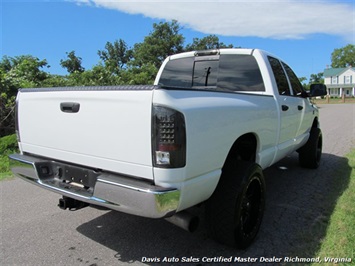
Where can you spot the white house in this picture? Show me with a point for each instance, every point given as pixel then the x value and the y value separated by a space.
pixel 340 81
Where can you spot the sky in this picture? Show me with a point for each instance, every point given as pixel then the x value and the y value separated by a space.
pixel 303 33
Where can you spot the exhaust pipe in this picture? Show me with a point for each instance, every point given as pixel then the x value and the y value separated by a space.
pixel 184 220
pixel 71 204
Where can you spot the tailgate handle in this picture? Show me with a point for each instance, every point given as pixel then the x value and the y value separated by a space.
pixel 70 107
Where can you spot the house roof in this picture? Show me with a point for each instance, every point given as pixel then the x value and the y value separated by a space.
pixel 332 72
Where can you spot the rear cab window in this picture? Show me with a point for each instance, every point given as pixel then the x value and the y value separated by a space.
pixel 225 73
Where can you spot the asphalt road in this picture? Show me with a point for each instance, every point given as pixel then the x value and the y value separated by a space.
pixel 299 203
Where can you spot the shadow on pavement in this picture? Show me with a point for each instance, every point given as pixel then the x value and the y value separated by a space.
pixel 299 205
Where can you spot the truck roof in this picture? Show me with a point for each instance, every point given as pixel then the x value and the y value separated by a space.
pixel 215 51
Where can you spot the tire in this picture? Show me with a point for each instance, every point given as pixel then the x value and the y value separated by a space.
pixel 235 210
pixel 310 154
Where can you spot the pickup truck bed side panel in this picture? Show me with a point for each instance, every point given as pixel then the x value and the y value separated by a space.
pixel 210 119
pixel 111 130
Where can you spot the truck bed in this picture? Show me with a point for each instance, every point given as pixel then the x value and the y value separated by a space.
pixel 108 126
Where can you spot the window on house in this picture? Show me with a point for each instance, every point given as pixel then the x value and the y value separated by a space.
pixel 347 80
pixel 334 80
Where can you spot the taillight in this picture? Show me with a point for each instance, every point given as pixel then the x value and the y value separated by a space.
pixel 168 138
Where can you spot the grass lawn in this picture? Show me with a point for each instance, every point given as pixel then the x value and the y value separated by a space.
pixel 6 175
pixel 339 241
pixel 5 172
pixel 8 145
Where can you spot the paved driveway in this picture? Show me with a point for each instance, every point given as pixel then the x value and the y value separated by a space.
pixel 299 202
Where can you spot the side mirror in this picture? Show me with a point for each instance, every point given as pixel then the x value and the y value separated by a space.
pixel 318 90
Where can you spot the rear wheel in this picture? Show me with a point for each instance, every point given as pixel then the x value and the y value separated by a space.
pixel 235 210
pixel 310 154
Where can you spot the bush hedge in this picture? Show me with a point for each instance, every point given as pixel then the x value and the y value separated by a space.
pixel 8 145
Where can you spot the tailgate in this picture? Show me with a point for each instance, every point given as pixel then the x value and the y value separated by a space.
pixel 107 128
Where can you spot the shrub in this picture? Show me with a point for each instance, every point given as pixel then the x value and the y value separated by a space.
pixel 8 145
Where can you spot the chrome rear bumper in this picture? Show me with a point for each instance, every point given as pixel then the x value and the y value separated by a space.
pixel 114 191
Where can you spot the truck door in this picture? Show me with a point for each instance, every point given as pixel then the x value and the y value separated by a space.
pixel 302 104
pixel 290 108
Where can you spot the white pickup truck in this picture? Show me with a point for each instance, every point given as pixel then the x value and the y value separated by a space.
pixel 201 134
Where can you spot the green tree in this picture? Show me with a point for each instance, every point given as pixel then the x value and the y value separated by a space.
pixel 115 56
pixel 73 63
pixel 99 75
pixel 303 82
pixel 344 56
pixel 17 72
pixel 206 43
pixel 54 80
pixel 25 70
pixel 163 41
pixel 316 78
pixel 139 75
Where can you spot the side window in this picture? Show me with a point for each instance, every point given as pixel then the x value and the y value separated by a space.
pixel 280 76
pixel 178 73
pixel 239 73
pixel 295 83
